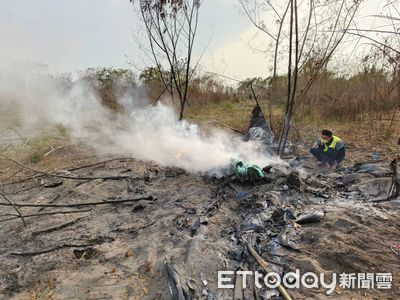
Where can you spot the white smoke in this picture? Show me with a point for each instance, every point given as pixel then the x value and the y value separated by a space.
pixel 144 131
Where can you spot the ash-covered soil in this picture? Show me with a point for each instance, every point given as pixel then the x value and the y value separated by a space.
pixel 188 227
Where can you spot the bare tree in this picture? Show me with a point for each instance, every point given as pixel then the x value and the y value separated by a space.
pixel 299 33
pixel 384 36
pixel 171 28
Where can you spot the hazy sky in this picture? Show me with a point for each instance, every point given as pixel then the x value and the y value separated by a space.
pixel 77 34
pixel 70 35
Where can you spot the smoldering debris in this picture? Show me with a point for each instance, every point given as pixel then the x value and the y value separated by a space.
pixel 192 227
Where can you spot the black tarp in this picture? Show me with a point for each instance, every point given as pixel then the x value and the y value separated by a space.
pixel 259 129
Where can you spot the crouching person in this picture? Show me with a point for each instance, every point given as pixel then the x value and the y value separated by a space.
pixel 328 149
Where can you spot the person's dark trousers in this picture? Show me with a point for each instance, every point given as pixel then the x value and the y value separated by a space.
pixel 326 157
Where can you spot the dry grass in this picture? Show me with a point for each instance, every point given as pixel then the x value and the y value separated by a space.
pixel 31 151
pixel 231 113
pixel 361 137
pixel 35 152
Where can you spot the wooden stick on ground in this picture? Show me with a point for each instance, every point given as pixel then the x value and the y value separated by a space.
pixel 47 214
pixel 10 203
pixel 119 177
pixel 33 253
pixel 57 227
pixel 52 150
pixel 79 204
pixel 58 196
pixel 227 126
pixel 98 163
pixel 71 169
pixel 264 265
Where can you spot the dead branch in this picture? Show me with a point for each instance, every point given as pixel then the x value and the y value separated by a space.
pixel 57 227
pixel 144 227
pixel 374 41
pixel 6 148
pixel 99 163
pixel 13 175
pixel 10 203
pixel 58 196
pixel 264 265
pixel 80 204
pixel 38 252
pixel 119 177
pixel 47 214
pixel 52 150
pixel 24 190
pixel 253 17
pixel 71 169
pixel 227 126
pixel 255 97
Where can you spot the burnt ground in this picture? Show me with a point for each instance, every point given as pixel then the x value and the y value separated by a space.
pixel 187 228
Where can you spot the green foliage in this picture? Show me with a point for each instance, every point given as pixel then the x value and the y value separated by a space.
pixel 162 7
pixel 255 81
pixel 151 75
pixel 110 83
pixel 231 106
pixel 31 151
pixel 106 76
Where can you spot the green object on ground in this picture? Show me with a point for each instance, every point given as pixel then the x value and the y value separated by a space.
pixel 244 171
